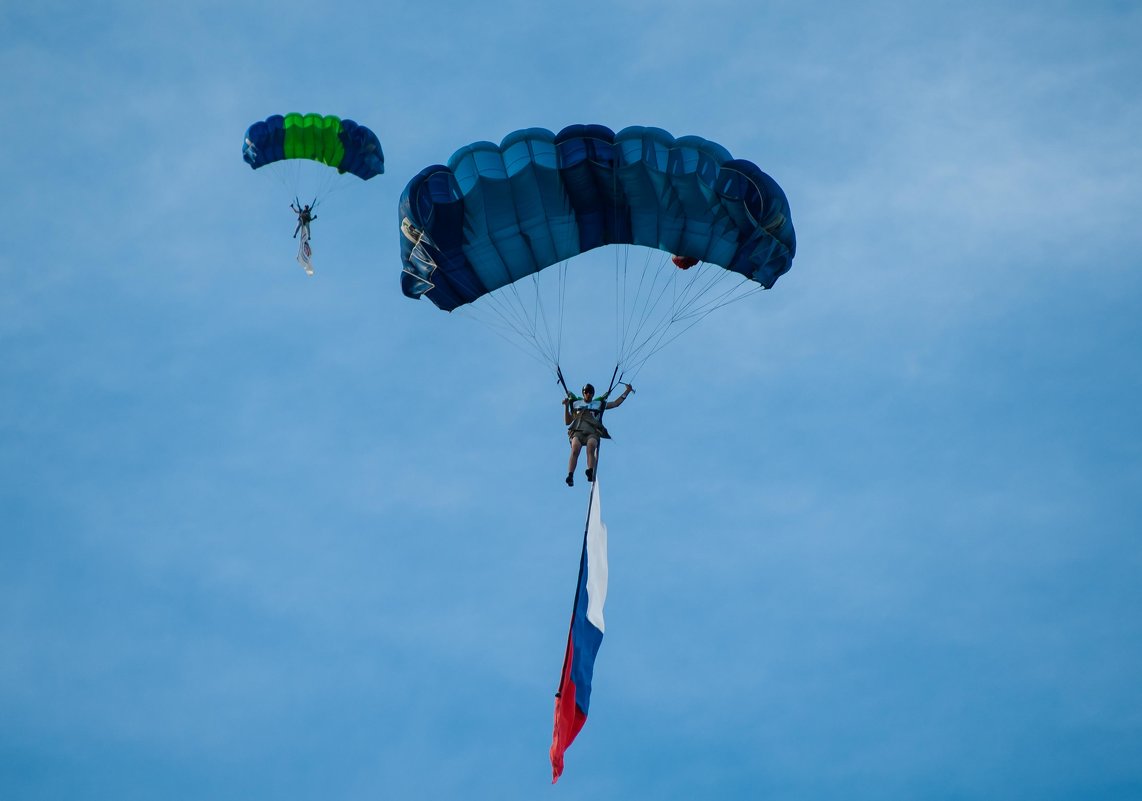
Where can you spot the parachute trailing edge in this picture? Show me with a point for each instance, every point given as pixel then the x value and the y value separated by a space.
pixel 497 213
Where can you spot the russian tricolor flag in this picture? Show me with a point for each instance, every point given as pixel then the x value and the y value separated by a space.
pixel 583 641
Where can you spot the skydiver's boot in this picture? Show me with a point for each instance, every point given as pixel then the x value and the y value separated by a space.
pixel 591 475
pixel 570 479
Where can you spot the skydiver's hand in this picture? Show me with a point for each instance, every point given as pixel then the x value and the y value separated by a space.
pixel 630 389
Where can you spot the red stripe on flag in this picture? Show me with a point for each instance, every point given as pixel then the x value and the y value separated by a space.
pixel 569 719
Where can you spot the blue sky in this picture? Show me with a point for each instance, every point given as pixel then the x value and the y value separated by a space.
pixel 874 534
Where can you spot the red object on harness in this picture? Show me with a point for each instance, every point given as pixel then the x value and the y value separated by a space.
pixel 683 262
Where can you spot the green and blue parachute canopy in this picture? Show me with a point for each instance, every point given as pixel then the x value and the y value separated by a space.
pixel 343 144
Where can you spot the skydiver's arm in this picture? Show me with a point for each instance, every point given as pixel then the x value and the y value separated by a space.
pixel 622 397
pixel 567 411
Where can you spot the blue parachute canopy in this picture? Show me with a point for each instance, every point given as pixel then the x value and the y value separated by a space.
pixel 498 213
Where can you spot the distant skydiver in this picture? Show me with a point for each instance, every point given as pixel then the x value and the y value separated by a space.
pixel 584 420
pixel 305 216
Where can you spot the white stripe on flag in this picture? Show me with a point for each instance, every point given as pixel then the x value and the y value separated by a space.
pixel 596 561
pixel 304 252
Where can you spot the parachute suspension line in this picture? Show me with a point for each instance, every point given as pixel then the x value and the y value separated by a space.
pixel 630 304
pixel 562 295
pixel 533 320
pixel 623 304
pixel 540 315
pixel 528 313
pixel 622 265
pixel 511 317
pixel 644 317
pixel 691 304
pixel 732 294
pixel 611 386
pixel 630 307
pixel 647 320
pixel 529 323
pixel 648 326
pixel 695 316
pixel 622 255
pixel 657 340
pixel 503 320
pixel 554 317
pixel 621 258
pixel 618 306
pixel 305 178
pixel 649 308
pixel 562 302
pixel 508 315
pixel 560 306
pixel 498 330
pixel 626 304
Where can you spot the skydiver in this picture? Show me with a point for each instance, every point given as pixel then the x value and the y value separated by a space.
pixel 305 216
pixel 583 418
